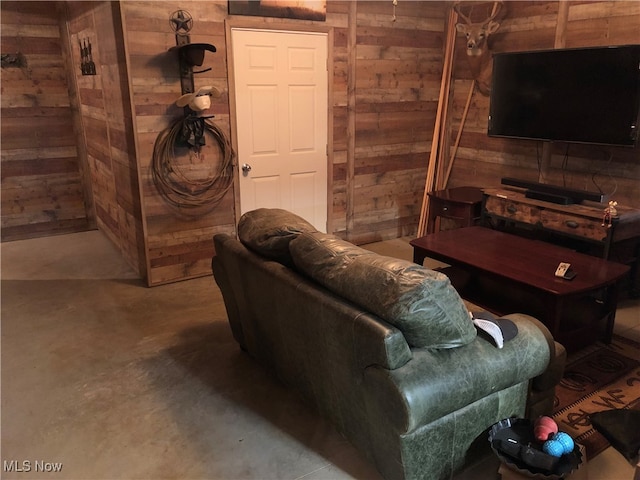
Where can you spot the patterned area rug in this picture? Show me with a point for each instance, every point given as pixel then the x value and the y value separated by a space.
pixel 600 377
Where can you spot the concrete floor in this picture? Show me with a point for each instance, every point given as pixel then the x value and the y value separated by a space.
pixel 108 379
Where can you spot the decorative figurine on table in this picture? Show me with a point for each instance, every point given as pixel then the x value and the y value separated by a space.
pixel 609 214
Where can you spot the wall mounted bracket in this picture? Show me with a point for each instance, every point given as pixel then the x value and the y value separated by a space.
pixel 189 56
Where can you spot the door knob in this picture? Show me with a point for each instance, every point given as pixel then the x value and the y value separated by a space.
pixel 246 168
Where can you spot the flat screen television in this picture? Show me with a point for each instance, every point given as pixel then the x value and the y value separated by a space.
pixel 583 95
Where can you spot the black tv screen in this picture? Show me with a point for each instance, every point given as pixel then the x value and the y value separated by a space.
pixel 586 95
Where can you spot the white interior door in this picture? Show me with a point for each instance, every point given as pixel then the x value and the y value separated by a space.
pixel 281 99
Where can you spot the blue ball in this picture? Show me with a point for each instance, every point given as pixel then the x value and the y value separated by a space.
pixel 553 447
pixel 565 440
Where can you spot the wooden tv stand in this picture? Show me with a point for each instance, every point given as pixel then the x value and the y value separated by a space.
pixel 577 226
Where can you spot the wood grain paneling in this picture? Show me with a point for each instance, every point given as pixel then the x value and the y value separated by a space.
pixel 107 127
pixel 398 71
pixel 178 244
pixel 482 161
pixel 42 185
pixel 155 86
pixel 385 86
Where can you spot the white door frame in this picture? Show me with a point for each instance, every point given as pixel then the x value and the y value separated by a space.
pixel 290 28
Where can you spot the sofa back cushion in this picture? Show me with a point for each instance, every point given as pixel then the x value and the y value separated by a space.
pixel 420 302
pixel 268 231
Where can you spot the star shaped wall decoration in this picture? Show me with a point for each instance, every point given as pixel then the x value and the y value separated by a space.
pixel 181 22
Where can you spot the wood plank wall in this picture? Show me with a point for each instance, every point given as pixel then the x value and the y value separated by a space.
pixel 42 188
pixel 397 68
pixel 385 84
pixel 106 119
pixel 531 25
pixel 178 245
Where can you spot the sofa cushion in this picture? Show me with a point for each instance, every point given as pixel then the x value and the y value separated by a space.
pixel 420 302
pixel 268 231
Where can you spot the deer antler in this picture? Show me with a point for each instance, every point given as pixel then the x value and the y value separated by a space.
pixel 458 10
pixel 497 7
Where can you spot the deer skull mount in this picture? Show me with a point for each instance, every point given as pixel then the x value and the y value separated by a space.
pixel 477 34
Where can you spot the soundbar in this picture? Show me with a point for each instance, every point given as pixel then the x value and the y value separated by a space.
pixel 553 193
pixel 549 197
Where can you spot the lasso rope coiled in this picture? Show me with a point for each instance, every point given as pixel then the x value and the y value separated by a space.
pixel 179 190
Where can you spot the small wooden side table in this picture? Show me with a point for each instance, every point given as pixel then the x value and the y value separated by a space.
pixel 463 204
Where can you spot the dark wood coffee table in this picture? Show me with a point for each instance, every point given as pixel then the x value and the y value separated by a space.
pixel 506 273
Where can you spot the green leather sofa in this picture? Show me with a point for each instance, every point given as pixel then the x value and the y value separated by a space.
pixel 382 348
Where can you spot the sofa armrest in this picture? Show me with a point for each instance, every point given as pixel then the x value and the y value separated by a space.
pixel 437 382
pixel 541 397
pixel 553 374
pixel 221 277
